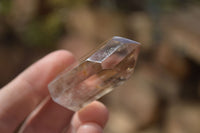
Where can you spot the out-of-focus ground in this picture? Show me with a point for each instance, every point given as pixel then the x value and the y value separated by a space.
pixel 163 95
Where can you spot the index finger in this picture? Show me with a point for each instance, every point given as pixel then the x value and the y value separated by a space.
pixel 24 93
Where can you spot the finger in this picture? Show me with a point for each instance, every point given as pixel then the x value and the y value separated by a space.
pixel 50 118
pixel 95 112
pixel 23 94
pixel 90 128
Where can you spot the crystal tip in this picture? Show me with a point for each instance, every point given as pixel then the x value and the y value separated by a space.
pixel 124 40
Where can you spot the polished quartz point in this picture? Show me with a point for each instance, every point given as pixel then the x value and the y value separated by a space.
pixel 111 65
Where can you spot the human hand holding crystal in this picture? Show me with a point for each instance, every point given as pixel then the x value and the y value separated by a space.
pixel 25 104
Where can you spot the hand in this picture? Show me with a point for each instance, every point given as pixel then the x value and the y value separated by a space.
pixel 25 104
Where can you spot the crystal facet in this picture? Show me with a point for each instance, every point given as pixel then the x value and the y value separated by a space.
pixel 94 77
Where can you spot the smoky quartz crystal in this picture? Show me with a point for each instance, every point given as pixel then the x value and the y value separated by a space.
pixel 106 68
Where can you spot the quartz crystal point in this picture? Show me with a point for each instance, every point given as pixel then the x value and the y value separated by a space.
pixel 108 67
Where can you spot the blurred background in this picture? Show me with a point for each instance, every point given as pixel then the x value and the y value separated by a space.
pixel 163 95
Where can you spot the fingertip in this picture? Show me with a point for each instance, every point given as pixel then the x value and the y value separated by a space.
pixel 92 110
pixel 65 56
pixel 95 112
pixel 90 128
pixel 38 75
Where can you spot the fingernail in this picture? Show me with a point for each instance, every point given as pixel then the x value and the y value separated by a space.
pixel 90 128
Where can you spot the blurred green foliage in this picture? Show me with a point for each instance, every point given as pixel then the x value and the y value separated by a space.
pixel 66 3
pixel 5 6
pixel 44 32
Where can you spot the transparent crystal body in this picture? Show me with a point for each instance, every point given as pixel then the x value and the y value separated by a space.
pixel 105 69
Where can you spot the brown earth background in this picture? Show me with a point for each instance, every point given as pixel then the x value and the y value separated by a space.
pixel 163 95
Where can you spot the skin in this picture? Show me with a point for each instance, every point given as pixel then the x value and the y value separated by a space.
pixel 26 107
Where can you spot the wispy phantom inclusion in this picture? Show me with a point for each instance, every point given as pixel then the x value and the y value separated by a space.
pixel 94 77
